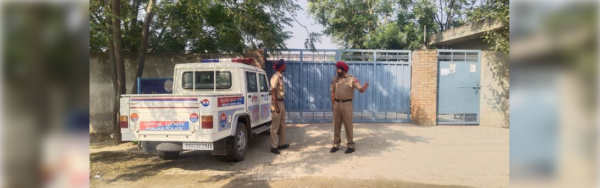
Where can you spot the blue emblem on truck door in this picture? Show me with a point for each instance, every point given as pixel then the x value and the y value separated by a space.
pixel 225 117
pixel 222 120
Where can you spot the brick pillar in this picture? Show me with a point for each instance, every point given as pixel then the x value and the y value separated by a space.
pixel 423 95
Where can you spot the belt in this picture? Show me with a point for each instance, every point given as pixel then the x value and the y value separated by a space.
pixel 342 101
pixel 280 100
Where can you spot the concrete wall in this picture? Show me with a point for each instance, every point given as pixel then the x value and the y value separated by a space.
pixel 464 33
pixel 475 43
pixel 156 65
pixel 423 95
pixel 494 101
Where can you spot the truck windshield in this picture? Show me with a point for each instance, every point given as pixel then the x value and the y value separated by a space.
pixel 205 80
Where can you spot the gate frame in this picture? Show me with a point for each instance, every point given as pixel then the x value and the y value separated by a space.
pixel 338 57
pixel 438 88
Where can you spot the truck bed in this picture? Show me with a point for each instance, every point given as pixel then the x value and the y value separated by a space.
pixel 176 117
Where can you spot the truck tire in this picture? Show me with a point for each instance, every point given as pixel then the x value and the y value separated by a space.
pixel 169 150
pixel 168 155
pixel 237 144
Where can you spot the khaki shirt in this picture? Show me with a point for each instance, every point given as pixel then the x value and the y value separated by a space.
pixel 277 83
pixel 343 87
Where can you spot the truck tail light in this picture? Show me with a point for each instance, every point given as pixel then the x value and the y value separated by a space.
pixel 207 122
pixel 123 122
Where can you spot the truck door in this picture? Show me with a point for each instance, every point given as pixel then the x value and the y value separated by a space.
pixel 253 97
pixel 265 99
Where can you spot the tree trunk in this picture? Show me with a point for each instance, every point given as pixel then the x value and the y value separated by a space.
pixel 143 46
pixel 160 36
pixel 119 59
pixel 113 68
pixel 442 16
pixel 450 13
pixel 136 10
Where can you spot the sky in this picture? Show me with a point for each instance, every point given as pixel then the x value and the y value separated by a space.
pixel 299 33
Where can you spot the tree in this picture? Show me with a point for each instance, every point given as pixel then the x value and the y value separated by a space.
pixel 450 13
pixel 206 26
pixel 406 32
pixel 144 44
pixel 119 59
pixel 101 32
pixel 349 23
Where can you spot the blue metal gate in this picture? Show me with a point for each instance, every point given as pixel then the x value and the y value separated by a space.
pixel 458 86
pixel 309 74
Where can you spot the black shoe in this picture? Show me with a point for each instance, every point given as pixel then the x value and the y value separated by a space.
pixel 285 146
pixel 275 151
pixel 333 150
pixel 349 150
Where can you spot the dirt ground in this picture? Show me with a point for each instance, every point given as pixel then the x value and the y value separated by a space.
pixel 125 166
pixel 303 165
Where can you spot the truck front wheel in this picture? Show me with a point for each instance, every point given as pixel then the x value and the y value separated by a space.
pixel 237 144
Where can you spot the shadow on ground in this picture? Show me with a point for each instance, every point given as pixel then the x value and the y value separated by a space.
pixel 308 154
pixel 312 143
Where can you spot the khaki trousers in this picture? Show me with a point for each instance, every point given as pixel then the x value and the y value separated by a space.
pixel 278 125
pixel 342 113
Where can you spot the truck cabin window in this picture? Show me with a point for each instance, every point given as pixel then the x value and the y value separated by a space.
pixel 205 80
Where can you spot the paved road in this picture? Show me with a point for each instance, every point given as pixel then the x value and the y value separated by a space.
pixel 471 156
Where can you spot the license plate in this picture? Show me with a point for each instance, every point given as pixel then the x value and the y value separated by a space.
pixel 198 146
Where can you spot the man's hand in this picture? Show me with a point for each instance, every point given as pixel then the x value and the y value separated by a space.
pixel 332 99
pixel 277 109
pixel 364 87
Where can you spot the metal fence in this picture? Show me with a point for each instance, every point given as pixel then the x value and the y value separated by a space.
pixel 309 75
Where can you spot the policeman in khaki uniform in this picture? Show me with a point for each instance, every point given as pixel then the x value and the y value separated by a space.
pixel 342 92
pixel 278 109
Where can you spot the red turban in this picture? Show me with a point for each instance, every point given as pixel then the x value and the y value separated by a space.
pixel 279 65
pixel 342 65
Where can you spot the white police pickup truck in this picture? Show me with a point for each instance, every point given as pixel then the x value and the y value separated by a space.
pixel 216 105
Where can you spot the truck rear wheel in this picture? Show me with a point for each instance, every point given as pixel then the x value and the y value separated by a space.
pixel 168 155
pixel 237 144
pixel 169 150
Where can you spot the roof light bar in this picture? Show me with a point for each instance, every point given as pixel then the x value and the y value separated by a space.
pixel 209 60
pixel 245 60
pixel 242 60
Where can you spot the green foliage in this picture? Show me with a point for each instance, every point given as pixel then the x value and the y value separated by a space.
pixel 491 9
pixel 496 10
pixel 201 26
pixel 349 22
pixel 386 24
pixel 99 36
